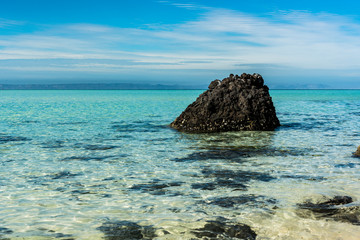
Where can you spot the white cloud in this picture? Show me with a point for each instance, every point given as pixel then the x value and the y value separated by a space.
pixel 219 39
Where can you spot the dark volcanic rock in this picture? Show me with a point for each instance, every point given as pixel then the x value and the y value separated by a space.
pixel 338 208
pixel 234 104
pixel 221 230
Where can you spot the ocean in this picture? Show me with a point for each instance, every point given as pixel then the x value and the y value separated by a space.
pixel 77 164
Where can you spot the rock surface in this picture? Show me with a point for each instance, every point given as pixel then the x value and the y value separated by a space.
pixel 234 104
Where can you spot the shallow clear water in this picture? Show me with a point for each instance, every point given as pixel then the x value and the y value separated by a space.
pixel 73 161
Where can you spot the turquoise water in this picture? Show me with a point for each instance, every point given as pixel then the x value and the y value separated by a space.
pixel 73 161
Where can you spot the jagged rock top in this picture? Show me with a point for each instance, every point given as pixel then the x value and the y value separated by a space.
pixel 234 104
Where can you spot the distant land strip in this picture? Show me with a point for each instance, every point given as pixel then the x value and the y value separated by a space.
pixel 97 86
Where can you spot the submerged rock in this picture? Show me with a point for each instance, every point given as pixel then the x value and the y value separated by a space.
pixel 5 231
pixel 157 188
pixel 249 200
pixel 224 178
pixel 125 230
pixel 338 208
pixel 234 104
pixel 222 230
pixel 7 138
pixel 241 154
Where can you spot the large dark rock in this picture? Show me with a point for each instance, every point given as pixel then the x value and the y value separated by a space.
pixel 234 104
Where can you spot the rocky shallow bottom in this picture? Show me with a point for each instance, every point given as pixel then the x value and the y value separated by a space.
pixel 118 171
pixel 337 208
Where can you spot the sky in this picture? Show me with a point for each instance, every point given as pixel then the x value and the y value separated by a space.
pixel 292 44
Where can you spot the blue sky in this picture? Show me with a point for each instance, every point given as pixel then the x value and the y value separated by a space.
pixel 293 44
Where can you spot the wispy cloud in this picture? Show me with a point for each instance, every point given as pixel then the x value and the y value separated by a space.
pixel 219 39
pixel 185 5
pixel 189 6
pixel 6 23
